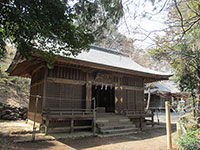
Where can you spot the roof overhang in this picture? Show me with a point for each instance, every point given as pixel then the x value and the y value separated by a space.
pixel 24 68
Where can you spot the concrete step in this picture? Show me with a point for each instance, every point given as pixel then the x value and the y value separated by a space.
pixel 113 127
pixel 117 131
pixel 107 122
pixel 113 120
pixel 117 134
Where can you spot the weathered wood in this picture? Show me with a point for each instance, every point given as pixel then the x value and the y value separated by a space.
pixel 88 93
pixel 94 117
pixel 168 126
pixel 134 88
pixel 34 120
pixel 119 100
pixel 38 116
pixel 47 127
pixel 37 83
pixel 65 81
pixel 45 89
pixel 72 126
pixel 37 69
pixel 113 69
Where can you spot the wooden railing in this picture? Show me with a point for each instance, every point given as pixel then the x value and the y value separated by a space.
pixel 61 113
pixel 135 114
pixel 130 112
pixel 70 114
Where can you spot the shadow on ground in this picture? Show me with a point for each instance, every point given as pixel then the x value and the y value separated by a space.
pixel 82 143
pixel 96 141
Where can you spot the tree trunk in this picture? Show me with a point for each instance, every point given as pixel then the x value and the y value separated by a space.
pixel 194 106
pixel 198 102
pixel 148 100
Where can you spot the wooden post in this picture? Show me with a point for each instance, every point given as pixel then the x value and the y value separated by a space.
pixel 72 126
pixel 88 95
pixel 168 126
pixel 140 122
pixel 47 127
pixel 94 116
pixel 35 112
pixel 152 119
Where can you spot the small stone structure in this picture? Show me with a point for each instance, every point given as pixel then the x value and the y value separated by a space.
pixel 8 112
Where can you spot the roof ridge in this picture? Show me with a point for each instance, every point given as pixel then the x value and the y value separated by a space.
pixel 108 50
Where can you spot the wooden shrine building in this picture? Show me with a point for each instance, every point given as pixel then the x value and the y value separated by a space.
pixel 163 91
pixel 67 91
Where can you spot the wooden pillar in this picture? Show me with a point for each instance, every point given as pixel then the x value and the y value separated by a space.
pixel 168 126
pixel 72 126
pixel 94 117
pixel 35 113
pixel 88 93
pixel 152 119
pixel 45 88
pixel 47 127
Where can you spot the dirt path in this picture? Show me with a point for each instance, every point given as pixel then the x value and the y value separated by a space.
pixel 147 140
pixel 151 139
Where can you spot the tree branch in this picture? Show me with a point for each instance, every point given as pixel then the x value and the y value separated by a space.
pixel 181 16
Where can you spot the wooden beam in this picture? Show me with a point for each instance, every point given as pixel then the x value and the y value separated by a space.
pixel 37 69
pixel 134 88
pixel 74 66
pixel 37 83
pixel 65 81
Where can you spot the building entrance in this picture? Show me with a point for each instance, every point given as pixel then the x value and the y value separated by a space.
pixel 104 96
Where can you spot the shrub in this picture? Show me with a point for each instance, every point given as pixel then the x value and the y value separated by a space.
pixel 189 141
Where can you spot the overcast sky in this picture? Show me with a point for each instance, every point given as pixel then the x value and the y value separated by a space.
pixel 136 26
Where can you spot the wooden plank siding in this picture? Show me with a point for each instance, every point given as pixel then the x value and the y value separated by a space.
pixel 65 96
pixel 37 88
pixel 67 73
pixel 70 87
pixel 129 95
pixel 66 88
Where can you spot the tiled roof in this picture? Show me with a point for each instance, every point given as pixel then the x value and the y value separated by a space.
pixel 112 58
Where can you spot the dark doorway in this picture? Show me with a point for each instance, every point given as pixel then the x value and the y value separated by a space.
pixel 104 97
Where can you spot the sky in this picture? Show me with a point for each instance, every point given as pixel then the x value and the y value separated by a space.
pixel 136 26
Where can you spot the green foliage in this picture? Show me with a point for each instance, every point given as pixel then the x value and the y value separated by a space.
pixel 186 63
pixel 180 45
pixel 189 141
pixel 55 26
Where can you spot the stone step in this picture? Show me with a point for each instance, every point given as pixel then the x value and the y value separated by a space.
pixel 113 120
pixel 117 131
pixel 118 134
pixel 105 124
pixel 113 127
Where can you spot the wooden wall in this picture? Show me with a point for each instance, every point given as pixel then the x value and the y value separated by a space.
pixel 73 82
pixel 71 73
pixel 129 94
pixel 37 88
pixel 69 87
pixel 65 96
pixel 64 88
